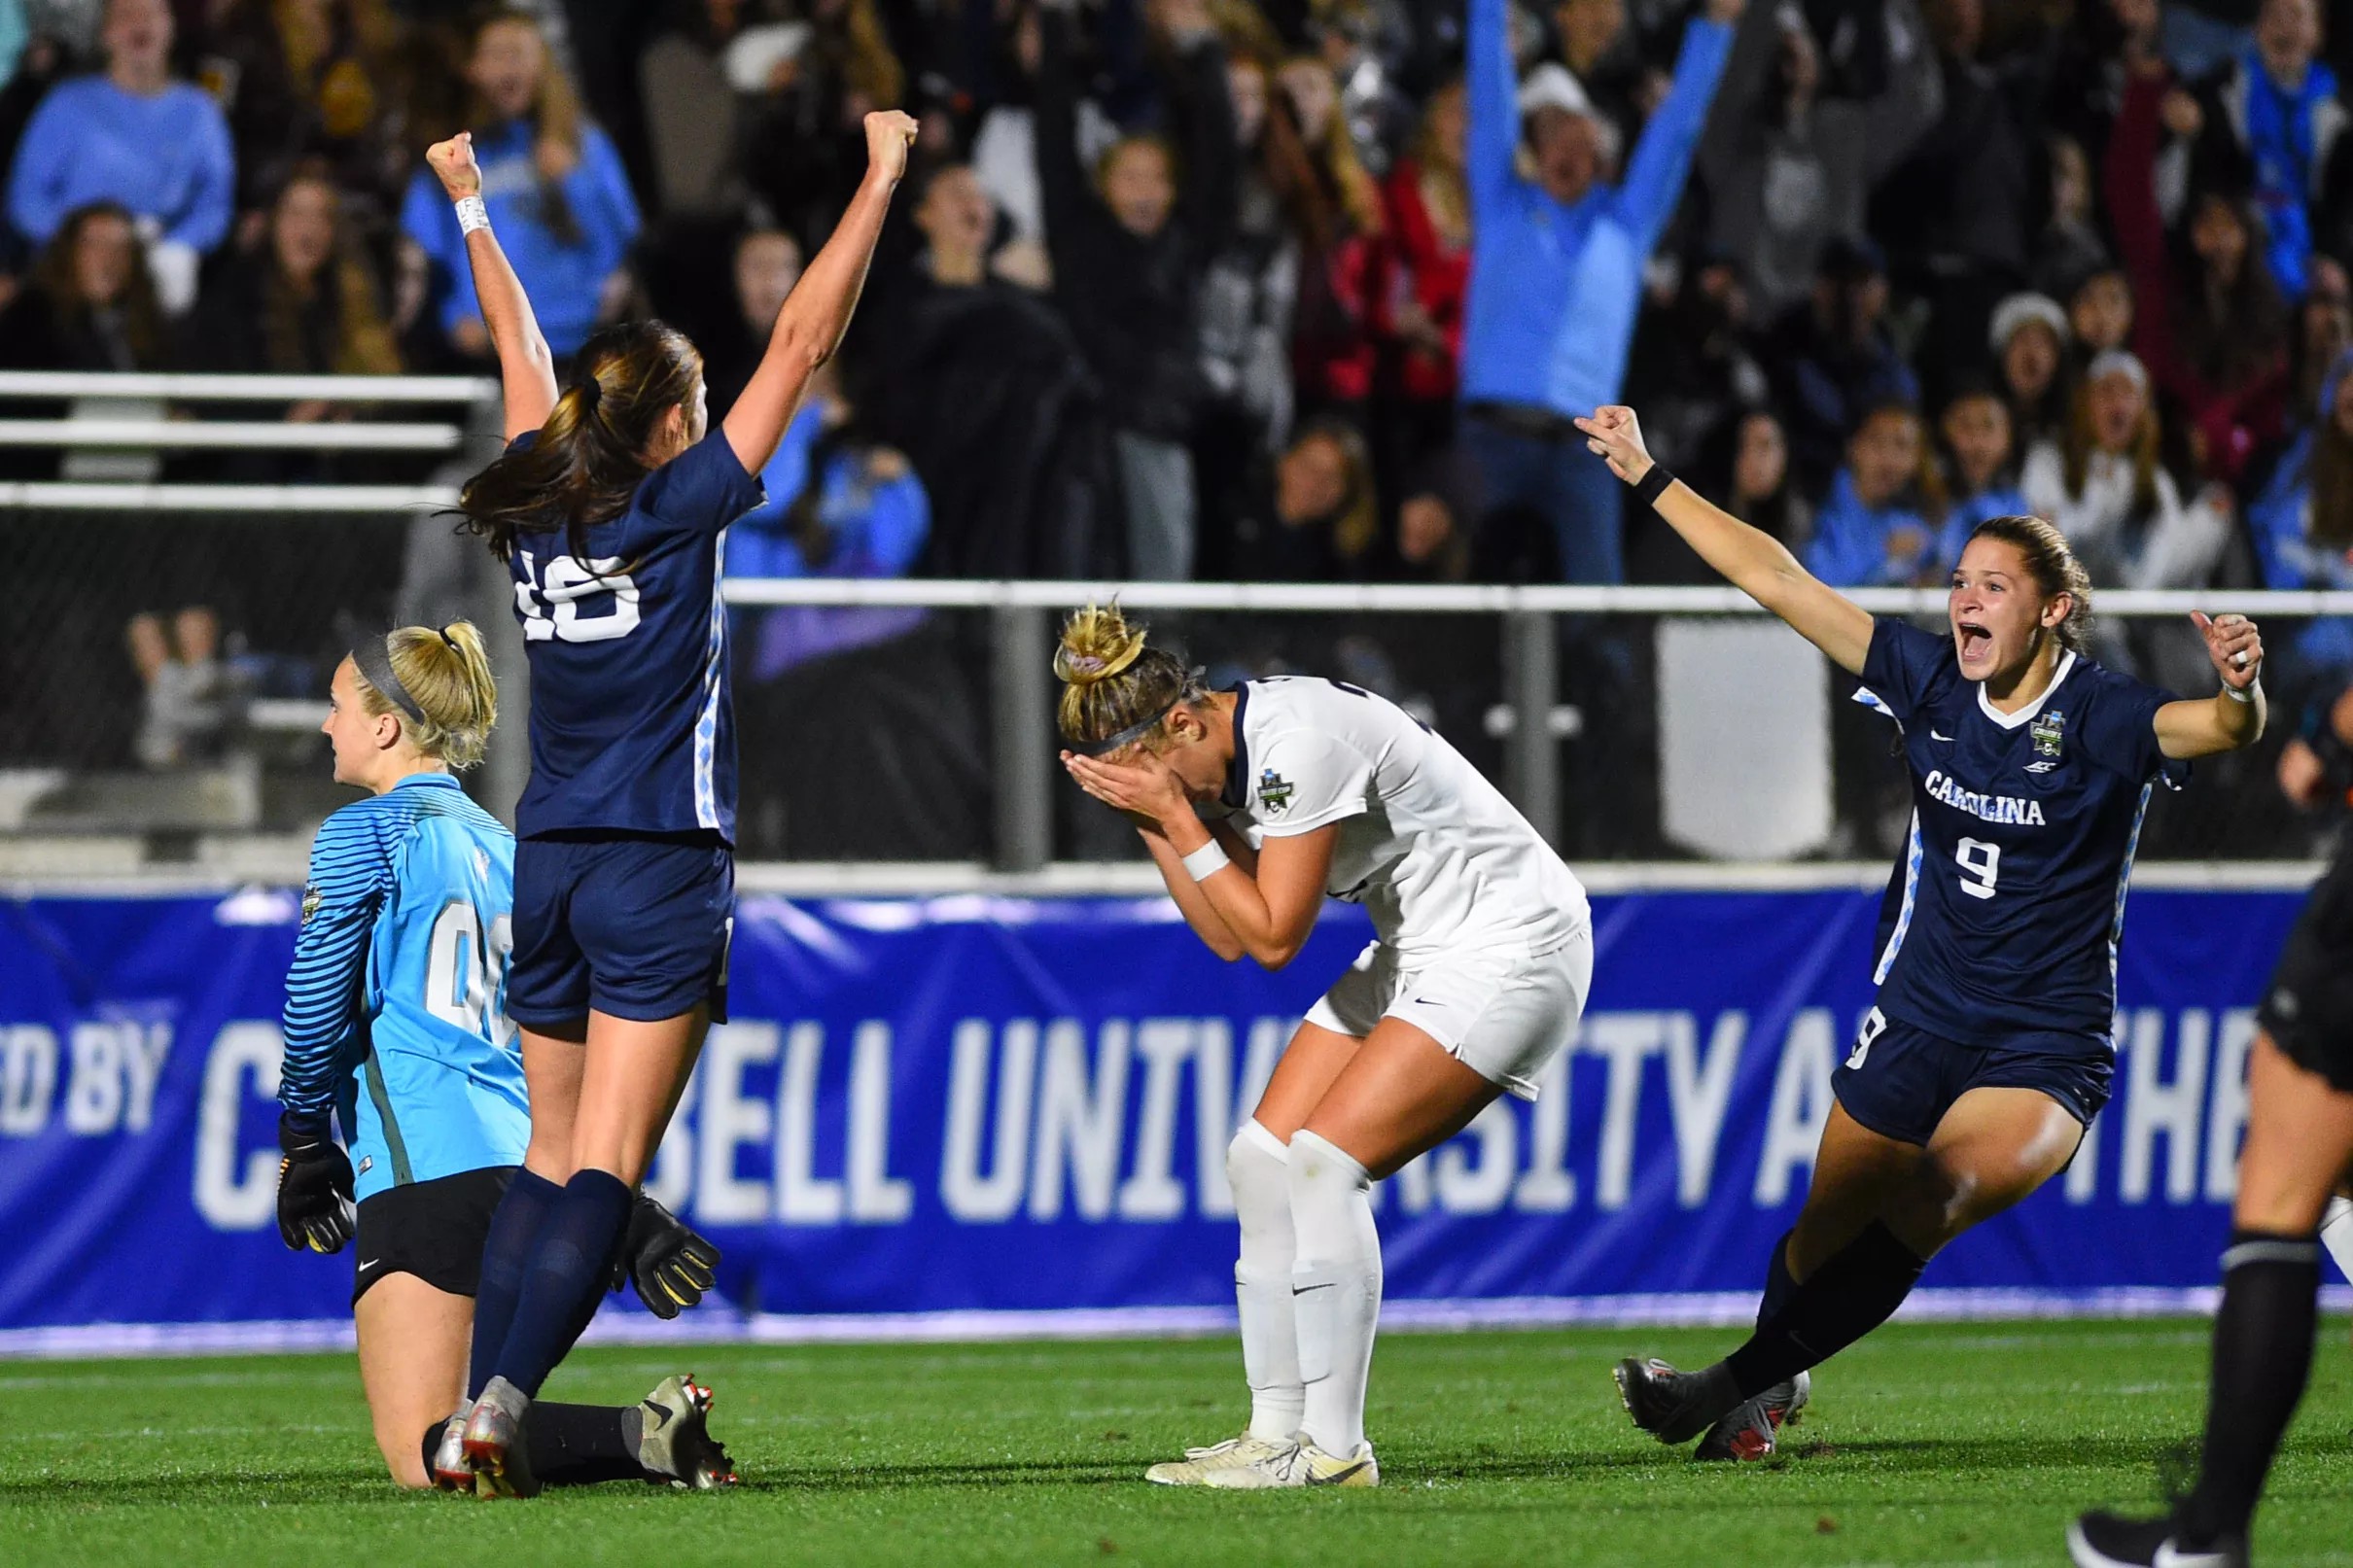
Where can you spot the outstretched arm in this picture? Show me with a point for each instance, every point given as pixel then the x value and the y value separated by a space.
pixel 2234 716
pixel 1748 558
pixel 526 368
pixel 818 311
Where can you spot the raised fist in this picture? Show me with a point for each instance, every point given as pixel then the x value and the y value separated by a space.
pixel 453 163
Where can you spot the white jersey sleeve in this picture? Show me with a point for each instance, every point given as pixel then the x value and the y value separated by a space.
pixel 1309 779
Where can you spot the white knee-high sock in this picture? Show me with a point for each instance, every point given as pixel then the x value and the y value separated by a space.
pixel 2336 1233
pixel 1257 1171
pixel 1336 1289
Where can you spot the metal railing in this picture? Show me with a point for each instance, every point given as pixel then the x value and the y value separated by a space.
pixel 1022 723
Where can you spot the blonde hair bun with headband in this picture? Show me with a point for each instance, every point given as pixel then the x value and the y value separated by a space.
pixel 1096 644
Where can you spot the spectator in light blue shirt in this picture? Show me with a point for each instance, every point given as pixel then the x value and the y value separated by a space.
pixel 838 507
pixel 132 136
pixel 1557 274
pixel 557 195
pixel 1872 532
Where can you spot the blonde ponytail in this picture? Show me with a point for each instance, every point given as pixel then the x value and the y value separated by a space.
pixel 447 674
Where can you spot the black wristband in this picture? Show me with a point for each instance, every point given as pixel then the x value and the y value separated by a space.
pixel 1651 485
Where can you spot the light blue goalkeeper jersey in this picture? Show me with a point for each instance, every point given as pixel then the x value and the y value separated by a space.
pixel 396 1006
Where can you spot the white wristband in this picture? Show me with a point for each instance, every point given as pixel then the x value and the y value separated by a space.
pixel 2236 695
pixel 1206 861
pixel 471 215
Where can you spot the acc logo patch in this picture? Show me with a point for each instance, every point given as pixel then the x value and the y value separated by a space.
pixel 312 898
pixel 1274 791
pixel 2047 732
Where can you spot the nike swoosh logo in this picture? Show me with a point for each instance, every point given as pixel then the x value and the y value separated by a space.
pixel 1428 1001
pixel 370 1263
pixel 1301 1290
pixel 660 1415
pixel 1933 736
pixel 2166 1556
pixel 1337 1477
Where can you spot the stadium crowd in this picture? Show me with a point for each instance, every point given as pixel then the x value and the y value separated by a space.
pixel 1289 290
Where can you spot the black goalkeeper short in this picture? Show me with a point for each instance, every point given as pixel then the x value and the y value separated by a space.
pixel 2309 1008
pixel 434 1230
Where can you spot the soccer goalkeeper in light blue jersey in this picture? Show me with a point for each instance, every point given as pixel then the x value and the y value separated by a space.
pixel 396 1024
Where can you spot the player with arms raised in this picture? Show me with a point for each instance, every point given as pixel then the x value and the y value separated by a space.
pixel 608 507
pixel 1989 1049
pixel 1256 802
pixel 396 1024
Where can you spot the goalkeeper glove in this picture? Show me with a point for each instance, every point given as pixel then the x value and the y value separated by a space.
pixel 669 1263
pixel 315 1210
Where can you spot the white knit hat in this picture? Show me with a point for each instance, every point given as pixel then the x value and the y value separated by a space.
pixel 1550 85
pixel 2017 310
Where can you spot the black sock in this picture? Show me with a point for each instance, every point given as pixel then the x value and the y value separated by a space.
pixel 432 1445
pixel 581 1445
pixel 505 1252
pixel 2262 1353
pixel 1853 1292
pixel 1777 1284
pixel 566 1278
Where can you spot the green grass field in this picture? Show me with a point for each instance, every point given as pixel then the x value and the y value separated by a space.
pixel 1927 1444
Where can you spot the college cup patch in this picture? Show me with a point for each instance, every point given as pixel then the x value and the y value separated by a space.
pixel 312 898
pixel 1274 791
pixel 2048 731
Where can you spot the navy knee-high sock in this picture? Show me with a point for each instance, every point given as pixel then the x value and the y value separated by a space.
pixel 2262 1357
pixel 1778 1282
pixel 569 1264
pixel 1853 1292
pixel 506 1253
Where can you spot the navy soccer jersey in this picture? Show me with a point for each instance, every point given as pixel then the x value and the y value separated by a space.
pixel 632 718
pixel 2004 914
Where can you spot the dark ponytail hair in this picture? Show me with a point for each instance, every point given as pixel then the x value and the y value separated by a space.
pixel 2051 563
pixel 590 455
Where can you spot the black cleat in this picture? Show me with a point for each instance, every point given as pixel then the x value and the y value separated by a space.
pixel 1674 1406
pixel 2106 1540
pixel 1753 1431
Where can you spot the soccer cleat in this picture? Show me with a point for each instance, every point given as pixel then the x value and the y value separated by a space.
pixel 1674 1406
pixel 675 1440
pixel 1753 1431
pixel 2107 1541
pixel 450 1470
pixel 1296 1463
pixel 1194 1468
pixel 494 1443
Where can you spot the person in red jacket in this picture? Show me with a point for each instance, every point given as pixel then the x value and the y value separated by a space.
pixel 1428 256
pixel 2215 342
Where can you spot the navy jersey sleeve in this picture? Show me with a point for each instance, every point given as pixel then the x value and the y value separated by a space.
pixel 703 488
pixel 1906 667
pixel 350 875
pixel 2120 729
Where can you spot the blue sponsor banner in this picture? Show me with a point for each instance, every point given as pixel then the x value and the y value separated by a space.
pixel 991 1105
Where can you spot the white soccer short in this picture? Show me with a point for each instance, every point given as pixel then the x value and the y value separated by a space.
pixel 1502 1011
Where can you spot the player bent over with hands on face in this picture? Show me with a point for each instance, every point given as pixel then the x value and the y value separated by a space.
pixel 396 1022
pixel 1989 1049
pixel 1256 803
pixel 610 507
pixel 2299 1151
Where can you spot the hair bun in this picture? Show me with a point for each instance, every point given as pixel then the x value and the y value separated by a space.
pixel 1096 644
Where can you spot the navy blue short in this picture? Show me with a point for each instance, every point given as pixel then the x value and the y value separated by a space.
pixel 1899 1080
pixel 633 927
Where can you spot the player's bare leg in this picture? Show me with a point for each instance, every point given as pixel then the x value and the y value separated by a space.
pixel 412 1365
pixel 2300 1142
pixel 632 1075
pixel 1400 1094
pixel 1257 1174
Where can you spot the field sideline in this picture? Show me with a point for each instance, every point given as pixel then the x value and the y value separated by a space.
pixel 1930 1444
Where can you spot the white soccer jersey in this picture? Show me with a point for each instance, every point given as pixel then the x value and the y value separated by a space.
pixel 1435 854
